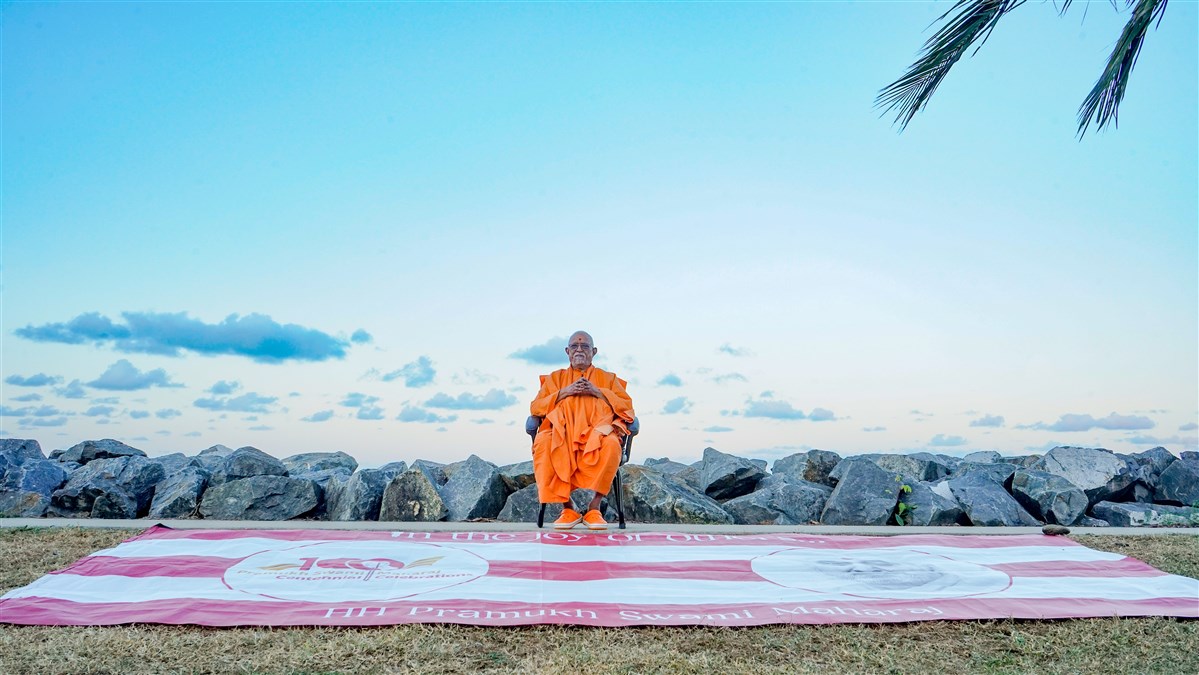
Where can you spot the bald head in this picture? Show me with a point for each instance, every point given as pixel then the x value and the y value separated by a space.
pixel 580 349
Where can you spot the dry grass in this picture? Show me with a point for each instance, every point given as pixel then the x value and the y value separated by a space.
pixel 1098 645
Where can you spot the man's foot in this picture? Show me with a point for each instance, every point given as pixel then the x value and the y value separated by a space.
pixel 568 519
pixel 594 521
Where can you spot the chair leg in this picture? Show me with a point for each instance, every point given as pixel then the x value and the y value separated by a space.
pixel 541 516
pixel 617 490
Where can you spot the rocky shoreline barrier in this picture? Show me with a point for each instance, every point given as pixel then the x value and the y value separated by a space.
pixel 1090 487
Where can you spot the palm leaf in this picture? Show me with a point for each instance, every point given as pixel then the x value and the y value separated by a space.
pixel 974 21
pixel 1102 105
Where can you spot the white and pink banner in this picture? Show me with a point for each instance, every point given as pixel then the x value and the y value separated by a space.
pixel 306 577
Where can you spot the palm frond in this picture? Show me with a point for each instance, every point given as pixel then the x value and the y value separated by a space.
pixel 1102 105
pixel 973 22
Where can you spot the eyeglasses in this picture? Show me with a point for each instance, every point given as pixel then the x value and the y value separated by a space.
pixel 579 348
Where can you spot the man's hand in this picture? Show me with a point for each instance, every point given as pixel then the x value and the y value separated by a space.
pixel 580 387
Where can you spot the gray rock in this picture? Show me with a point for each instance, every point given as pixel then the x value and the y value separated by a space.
pixel 259 497
pixel 1099 473
pixel 813 466
pixel 218 449
pixel 1147 515
pixel 999 472
pixel 450 468
pixel 1179 483
pixel 175 462
pixel 796 502
pixel 69 467
pixel 474 490
pixel 358 497
pixel 801 502
pixel 691 477
pixel 522 507
pixel 518 476
pixel 210 459
pixel 1142 493
pixel 25 489
pixel 929 507
pixel 771 481
pixel 115 504
pixel 1087 521
pixel 76 498
pixel 23 504
pixel 1189 454
pixel 865 494
pixel 1021 461
pixel 392 469
pixel 132 475
pixel 941 488
pixel 245 463
pixel 983 457
pixel 1049 498
pixel 434 470
pixel 39 475
pixel 178 495
pixel 324 479
pixel 760 463
pixel 1153 462
pixel 651 497
pixel 313 462
pixel 726 476
pixel 986 503
pixel 27 481
pixel 412 496
pixel 17 451
pixel 664 465
pixel 921 466
pixel 89 451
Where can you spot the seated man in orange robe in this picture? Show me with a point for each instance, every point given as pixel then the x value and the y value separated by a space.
pixel 585 414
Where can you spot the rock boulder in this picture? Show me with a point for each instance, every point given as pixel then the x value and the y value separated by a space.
pixel 312 462
pixel 89 451
pixel 725 476
pixel 865 494
pixel 259 497
pixel 245 463
pixel 813 466
pixel 1179 483
pixel 986 503
pixel 651 497
pixel 1098 472
pixel 178 495
pixel 1147 515
pixel 358 497
pixel 1047 497
pixel 412 496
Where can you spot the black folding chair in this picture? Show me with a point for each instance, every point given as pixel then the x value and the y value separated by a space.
pixel 534 423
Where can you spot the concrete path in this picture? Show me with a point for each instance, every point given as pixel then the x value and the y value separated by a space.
pixel 528 527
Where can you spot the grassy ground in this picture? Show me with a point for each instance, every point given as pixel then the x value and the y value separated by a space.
pixel 1096 645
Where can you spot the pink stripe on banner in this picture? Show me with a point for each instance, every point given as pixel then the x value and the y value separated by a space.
pixel 584 538
pixel 188 566
pixel 52 612
pixel 1127 567
pixel 699 570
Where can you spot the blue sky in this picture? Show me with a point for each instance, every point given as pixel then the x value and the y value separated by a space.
pixel 369 227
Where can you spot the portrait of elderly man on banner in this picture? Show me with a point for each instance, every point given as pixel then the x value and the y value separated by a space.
pixel 585 415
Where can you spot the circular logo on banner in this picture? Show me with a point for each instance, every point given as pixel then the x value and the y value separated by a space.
pixel 341 571
pixel 878 573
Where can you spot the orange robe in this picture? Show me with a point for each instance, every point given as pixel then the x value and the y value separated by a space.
pixel 578 444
